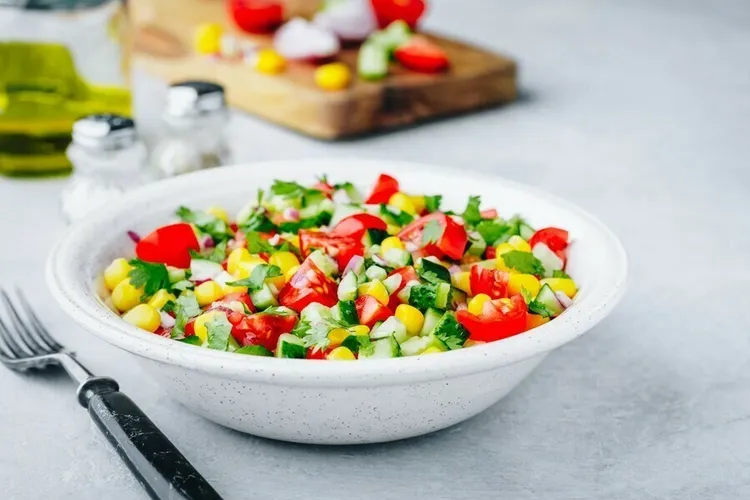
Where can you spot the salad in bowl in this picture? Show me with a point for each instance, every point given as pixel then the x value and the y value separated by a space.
pixel 322 272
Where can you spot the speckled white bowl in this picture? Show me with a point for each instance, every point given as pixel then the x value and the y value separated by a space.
pixel 334 402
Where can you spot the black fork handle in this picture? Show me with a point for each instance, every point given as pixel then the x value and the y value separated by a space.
pixel 161 469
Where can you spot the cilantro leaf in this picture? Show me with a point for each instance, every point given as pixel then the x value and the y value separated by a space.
pixel 301 329
pixel 219 329
pixel 527 297
pixel 287 189
pixel 205 222
pixel 216 254
pixel 356 343
pixel 186 307
pixel 322 219
pixel 492 230
pixel 316 335
pixel 258 219
pixel 513 229
pixel 192 340
pixel 540 308
pixel 148 275
pixel 183 285
pixel 559 273
pixel 258 277
pixel 395 216
pixel 169 306
pixel 432 232
pixel 523 262
pixel 432 203
pixel 471 215
pixel 257 244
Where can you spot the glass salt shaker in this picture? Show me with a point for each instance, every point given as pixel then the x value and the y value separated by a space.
pixel 107 158
pixel 195 121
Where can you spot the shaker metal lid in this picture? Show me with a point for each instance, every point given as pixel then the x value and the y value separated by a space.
pixel 53 4
pixel 194 98
pixel 104 132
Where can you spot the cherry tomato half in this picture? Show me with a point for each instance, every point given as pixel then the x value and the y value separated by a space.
pixel 309 284
pixel 263 329
pixel 370 311
pixel 498 320
pixel 452 240
pixel 341 248
pixel 491 282
pixel 169 245
pixel 356 225
pixel 385 187
pixel 556 239
pixel 421 55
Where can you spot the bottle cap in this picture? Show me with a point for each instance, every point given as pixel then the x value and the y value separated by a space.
pixel 104 132
pixel 192 99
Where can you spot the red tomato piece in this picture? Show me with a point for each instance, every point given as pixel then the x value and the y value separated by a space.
pixel 341 248
pixel 407 274
pixel 357 225
pixel 490 282
pixel 387 11
pixel 190 328
pixel 235 297
pixel 498 321
pixel 316 354
pixel 263 329
pixel 421 55
pixel 385 187
pixel 490 253
pixel 370 311
pixel 169 245
pixel 452 241
pixel 309 284
pixel 256 16
pixel 556 239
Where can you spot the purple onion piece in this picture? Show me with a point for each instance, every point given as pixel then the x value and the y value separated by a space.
pixel 354 262
pixel 208 242
pixel 377 259
pixel 454 269
pixel 134 236
pixel 563 299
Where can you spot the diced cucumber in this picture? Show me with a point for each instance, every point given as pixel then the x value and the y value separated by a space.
pixel 458 297
pixel 348 287
pixel 548 258
pixel 254 350
pixel 443 296
pixel 396 257
pixel 450 331
pixel 393 36
pixel 356 342
pixel 430 295
pixel 391 326
pixel 392 283
pixel 290 346
pixel 374 273
pixel 372 61
pixel 417 345
pixel 314 313
pixel 204 270
pixel 525 231
pixel 223 278
pixel 342 211
pixel 387 347
pixel 336 313
pixel 373 250
pixel 311 211
pixel 405 293
pixel 547 297
pixel 263 298
pixel 324 262
pixel 427 268
pixel 176 274
pixel 431 319
pixel 348 312
pixel 477 244
pixel 374 237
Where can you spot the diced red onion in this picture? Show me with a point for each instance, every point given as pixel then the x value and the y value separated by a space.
pixel 563 299
pixel 134 236
pixel 167 321
pixel 462 306
pixel 291 214
pixel 300 39
pixel 208 242
pixel 355 261
pixel 352 20
pixel 379 260
pixel 454 269
pixel 410 246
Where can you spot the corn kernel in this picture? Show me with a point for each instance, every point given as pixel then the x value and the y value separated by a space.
pixel 143 316
pixel 341 354
pixel 461 281
pixel 476 304
pixel 285 261
pixel 116 272
pixel 245 267
pixel 277 281
pixel 270 62
pixel 359 329
pixel 208 38
pixel 564 285
pixel 207 292
pixel 333 76
pixel 517 282
pixel 227 289
pixel 235 257
pixel 534 320
pixel 337 336
pixel 218 212
pixel 432 350
pixel 125 296
pixel 375 289
pixel 410 317
pixel 201 331
pixel 160 298
pixel 500 250
pixel 419 203
pixel 519 244
pixel 390 243
pixel 291 272
pixel 294 240
pixel 392 229
pixel 403 202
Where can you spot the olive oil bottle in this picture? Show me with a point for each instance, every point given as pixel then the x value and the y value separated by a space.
pixel 60 60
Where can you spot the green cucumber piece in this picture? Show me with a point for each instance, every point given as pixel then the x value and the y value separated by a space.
pixel 263 298
pixel 342 211
pixel 390 327
pixel 204 270
pixel 477 245
pixel 387 347
pixel 396 257
pixel 372 61
pixel 356 342
pixel 374 237
pixel 324 262
pixel 431 319
pixel 417 345
pixel 376 273
pixel 254 350
pixel 290 346
pixel 547 297
pixel 392 283
pixel 176 274
pixel 314 313
pixel 525 231
pixel 429 271
pixel 348 287
pixel 443 296
pixel 348 312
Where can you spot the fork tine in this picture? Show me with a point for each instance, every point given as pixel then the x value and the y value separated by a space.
pixel 6 348
pixel 10 342
pixel 23 337
pixel 43 334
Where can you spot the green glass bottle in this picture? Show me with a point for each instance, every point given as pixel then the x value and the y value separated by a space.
pixel 59 60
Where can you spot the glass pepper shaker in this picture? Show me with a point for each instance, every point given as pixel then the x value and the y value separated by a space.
pixel 195 120
pixel 108 159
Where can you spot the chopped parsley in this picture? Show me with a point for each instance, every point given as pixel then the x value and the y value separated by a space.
pixel 432 203
pixel 523 262
pixel 219 330
pixel 432 232
pixel 258 277
pixel 149 276
pixel 257 244
pixel 216 254
pixel 395 216
pixel 206 223
pixel 472 215
pixel 492 230
pixel 540 308
pixel 559 273
pixel 287 189
pixel 186 307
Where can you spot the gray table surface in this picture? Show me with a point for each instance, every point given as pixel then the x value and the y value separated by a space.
pixel 640 112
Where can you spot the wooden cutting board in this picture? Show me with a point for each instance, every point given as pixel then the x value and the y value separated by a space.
pixel 164 47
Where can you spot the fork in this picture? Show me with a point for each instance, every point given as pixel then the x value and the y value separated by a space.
pixel 158 465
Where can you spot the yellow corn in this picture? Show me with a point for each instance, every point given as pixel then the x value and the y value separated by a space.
pixel 245 267
pixel 160 298
pixel 359 329
pixel 294 240
pixel 519 244
pixel 375 289
pixel 116 272
pixel 403 202
pixel 200 323
pixel 235 257
pixel 143 316
pixel 218 212
pixel 501 249
pixel 411 318
pixel 337 336
pixel 270 62
pixel 519 281
pixel 125 296
pixel 227 289
pixel 208 38
pixel 392 229
pixel 341 354
pixel 390 243
pixel 476 304
pixel 432 350
pixel 419 203
pixel 564 285
pixel 461 281
pixel 277 281
pixel 333 76
pixel 505 301
pixel 207 292
pixel 291 272
pixel 285 261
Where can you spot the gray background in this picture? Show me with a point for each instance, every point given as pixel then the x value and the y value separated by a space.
pixel 640 112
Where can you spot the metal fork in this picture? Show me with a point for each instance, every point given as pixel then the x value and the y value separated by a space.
pixel 157 464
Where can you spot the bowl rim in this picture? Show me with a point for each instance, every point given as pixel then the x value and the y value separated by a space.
pixel 577 320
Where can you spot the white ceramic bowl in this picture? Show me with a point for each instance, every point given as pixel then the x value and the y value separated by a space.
pixel 334 402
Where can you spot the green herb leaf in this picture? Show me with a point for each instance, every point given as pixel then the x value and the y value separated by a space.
pixel 186 307
pixel 183 285
pixel 257 244
pixel 149 276
pixel 322 219
pixel 472 215
pixel 527 297
pixel 492 230
pixel 258 277
pixel 356 343
pixel 216 254
pixel 540 308
pixel 316 336
pixel 432 232
pixel 207 223
pixel 523 262
pixel 192 340
pixel 432 203
pixel 559 273
pixel 287 189
pixel 169 306
pixel 219 329
pixel 254 350
pixel 301 329
pixel 395 216
pixel 278 311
